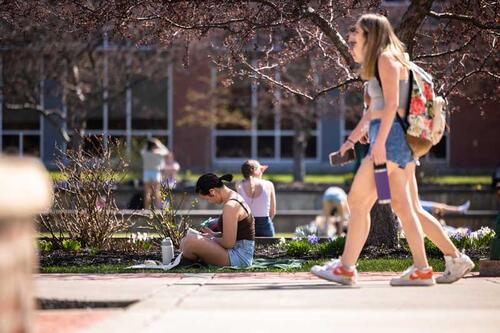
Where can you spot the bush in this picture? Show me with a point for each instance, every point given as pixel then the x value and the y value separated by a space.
pixel 299 248
pixel 311 247
pixel 85 203
pixel 71 245
pixel 333 248
pixel 44 246
pixel 166 221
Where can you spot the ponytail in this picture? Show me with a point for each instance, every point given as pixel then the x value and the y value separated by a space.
pixel 227 178
pixel 209 181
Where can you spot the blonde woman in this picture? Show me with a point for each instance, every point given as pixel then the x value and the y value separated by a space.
pixel 260 195
pixel 373 43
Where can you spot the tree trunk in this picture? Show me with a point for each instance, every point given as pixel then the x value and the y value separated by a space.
pixel 299 152
pixel 384 227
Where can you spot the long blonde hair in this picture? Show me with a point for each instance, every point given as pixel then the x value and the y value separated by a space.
pixel 380 37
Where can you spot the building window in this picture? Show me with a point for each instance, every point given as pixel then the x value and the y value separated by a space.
pixel 138 102
pixel 252 123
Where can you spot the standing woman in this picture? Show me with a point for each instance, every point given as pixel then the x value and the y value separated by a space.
pixel 374 43
pixel 234 244
pixel 260 195
pixel 153 156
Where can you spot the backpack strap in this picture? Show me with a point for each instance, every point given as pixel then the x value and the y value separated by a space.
pixel 404 123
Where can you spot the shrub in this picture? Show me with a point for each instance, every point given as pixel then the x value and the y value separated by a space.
pixel 85 204
pixel 44 246
pixel 333 248
pixel 71 245
pixel 166 221
pixel 299 248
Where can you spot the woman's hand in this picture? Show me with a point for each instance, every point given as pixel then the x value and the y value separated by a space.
pixel 345 147
pixel 207 231
pixel 378 153
pixel 364 139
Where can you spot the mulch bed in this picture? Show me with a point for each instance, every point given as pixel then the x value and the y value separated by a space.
pixel 113 257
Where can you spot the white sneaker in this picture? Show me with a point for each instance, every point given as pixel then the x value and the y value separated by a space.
pixel 464 207
pixel 335 271
pixel 456 268
pixel 414 277
pixel 328 265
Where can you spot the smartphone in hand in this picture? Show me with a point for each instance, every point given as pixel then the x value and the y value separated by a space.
pixel 338 160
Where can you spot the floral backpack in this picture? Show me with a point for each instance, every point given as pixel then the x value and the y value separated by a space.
pixel 425 119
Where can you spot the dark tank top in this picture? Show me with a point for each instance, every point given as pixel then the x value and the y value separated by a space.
pixel 246 226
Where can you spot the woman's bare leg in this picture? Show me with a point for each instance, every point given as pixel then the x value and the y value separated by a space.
pixel 147 195
pixel 361 198
pixel 198 247
pixel 430 225
pixel 155 189
pixel 402 205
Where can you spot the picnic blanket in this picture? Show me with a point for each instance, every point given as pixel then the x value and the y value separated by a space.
pixel 258 263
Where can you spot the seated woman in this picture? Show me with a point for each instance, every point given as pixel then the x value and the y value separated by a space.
pixel 234 244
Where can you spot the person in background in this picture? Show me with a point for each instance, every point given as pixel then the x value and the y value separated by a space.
pixel 438 209
pixel 170 170
pixel 234 244
pixel 153 159
pixel 334 205
pixel 260 195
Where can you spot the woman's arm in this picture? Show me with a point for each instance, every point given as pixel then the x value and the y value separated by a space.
pixel 230 225
pixel 357 133
pixel 389 77
pixel 272 209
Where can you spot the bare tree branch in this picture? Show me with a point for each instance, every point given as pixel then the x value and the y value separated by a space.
pixel 411 21
pixel 275 82
pixel 337 86
pixel 332 33
pixel 479 69
pixel 440 54
pixel 465 18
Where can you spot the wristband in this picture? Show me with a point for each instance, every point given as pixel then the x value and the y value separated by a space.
pixel 349 140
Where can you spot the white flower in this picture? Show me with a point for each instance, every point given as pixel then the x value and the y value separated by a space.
pixel 282 241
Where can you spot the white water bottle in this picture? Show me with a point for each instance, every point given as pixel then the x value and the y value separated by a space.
pixel 167 251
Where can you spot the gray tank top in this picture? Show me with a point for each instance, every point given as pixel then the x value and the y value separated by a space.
pixel 377 98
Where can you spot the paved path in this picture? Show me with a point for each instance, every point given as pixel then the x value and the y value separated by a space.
pixel 268 302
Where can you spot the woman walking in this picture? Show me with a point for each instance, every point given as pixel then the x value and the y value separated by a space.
pixel 373 43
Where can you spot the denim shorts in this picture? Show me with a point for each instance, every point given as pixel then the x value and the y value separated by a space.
pixel 396 146
pixel 241 254
pixel 151 176
pixel 264 227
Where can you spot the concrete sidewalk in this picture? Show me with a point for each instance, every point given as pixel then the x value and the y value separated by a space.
pixel 268 302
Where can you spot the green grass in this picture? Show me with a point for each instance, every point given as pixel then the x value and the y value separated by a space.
pixel 364 265
pixel 459 180
pixel 317 178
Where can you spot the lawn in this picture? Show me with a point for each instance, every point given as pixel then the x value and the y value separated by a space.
pixel 364 265
pixel 338 179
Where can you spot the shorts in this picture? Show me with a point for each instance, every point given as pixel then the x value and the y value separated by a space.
pixel 396 146
pixel 264 227
pixel 241 254
pixel 151 176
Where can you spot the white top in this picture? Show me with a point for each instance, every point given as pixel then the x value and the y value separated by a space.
pixel 153 160
pixel 261 205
